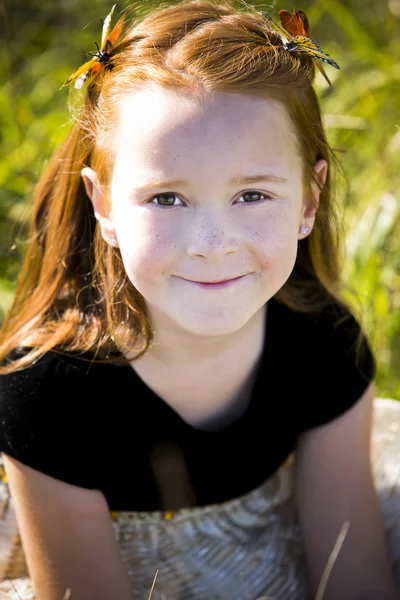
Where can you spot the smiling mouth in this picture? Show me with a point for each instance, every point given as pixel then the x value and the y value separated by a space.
pixel 216 281
pixel 216 284
pixel 221 280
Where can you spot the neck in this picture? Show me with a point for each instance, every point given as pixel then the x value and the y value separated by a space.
pixel 172 348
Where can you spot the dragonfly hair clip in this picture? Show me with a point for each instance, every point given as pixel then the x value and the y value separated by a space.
pixel 294 32
pixel 101 57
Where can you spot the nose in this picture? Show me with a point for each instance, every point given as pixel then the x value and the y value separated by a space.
pixel 211 236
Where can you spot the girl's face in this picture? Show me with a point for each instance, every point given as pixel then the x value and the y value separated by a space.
pixel 205 191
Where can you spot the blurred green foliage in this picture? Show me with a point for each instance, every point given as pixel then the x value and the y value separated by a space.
pixel 42 42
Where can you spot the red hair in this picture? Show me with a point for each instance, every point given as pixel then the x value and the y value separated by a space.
pixel 73 293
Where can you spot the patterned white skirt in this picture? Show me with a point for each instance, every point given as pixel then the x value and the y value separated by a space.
pixel 247 548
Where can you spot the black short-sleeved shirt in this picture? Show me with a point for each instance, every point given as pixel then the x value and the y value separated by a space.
pixel 100 426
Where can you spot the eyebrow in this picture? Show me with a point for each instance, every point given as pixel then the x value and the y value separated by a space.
pixel 165 183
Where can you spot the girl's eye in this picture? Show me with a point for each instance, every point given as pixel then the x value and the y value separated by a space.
pixel 254 200
pixel 167 198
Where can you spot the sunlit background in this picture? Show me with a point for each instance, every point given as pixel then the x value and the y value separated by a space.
pixel 43 41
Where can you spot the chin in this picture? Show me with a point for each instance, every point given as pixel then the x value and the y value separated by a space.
pixel 215 325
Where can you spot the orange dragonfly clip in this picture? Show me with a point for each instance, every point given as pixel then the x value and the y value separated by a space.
pixel 108 39
pixel 295 35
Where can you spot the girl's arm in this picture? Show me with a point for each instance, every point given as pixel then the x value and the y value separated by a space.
pixel 67 537
pixel 334 484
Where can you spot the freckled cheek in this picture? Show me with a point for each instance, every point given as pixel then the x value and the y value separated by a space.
pixel 272 242
pixel 146 249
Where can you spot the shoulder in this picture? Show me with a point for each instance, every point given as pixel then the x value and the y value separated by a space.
pixel 48 369
pixel 52 369
pixel 340 337
pixel 52 381
pixel 51 417
pixel 333 364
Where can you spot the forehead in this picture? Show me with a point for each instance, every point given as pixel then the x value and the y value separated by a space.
pixel 158 127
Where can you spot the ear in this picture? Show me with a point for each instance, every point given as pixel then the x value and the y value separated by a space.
pixel 310 205
pixel 101 207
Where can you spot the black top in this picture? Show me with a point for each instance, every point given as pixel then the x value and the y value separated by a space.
pixel 100 426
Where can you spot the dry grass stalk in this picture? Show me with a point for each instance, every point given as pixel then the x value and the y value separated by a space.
pixel 154 582
pixel 331 560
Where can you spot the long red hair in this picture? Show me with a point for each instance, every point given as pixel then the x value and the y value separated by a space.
pixel 73 293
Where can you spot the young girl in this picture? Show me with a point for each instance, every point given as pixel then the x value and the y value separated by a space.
pixel 184 391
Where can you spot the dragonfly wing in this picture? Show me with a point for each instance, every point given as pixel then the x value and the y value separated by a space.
pixel 87 66
pixel 306 24
pixel 308 46
pixel 115 33
pixel 321 68
pixel 295 23
pixel 285 35
pixel 106 28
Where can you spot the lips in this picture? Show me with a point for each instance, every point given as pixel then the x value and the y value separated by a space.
pixel 216 281
pixel 218 285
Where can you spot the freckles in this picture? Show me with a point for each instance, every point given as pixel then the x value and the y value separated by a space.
pixel 158 248
pixel 155 238
pixel 272 238
pixel 262 232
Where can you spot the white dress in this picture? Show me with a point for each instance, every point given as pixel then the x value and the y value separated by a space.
pixel 246 548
